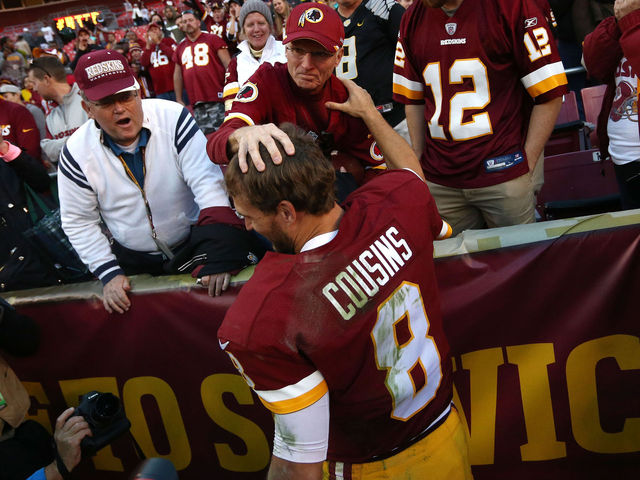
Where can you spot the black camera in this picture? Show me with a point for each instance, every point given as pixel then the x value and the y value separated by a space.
pixel 105 416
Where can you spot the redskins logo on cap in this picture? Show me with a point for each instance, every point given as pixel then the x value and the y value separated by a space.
pixel 248 93
pixel 313 15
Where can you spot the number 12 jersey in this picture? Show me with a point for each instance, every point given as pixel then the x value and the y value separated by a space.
pixel 478 74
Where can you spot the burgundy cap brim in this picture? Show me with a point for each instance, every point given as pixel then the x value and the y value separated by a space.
pixel 111 88
pixel 328 44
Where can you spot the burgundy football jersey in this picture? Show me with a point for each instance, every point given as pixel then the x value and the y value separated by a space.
pixel 18 127
pixel 271 96
pixel 478 74
pixel 358 317
pixel 159 63
pixel 231 86
pixel 202 71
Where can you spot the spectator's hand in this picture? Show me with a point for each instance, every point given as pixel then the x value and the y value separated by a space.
pixel 248 139
pixel 359 104
pixel 216 283
pixel 68 435
pixel 114 294
pixel 624 7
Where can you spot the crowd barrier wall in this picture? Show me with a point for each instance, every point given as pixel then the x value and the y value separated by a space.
pixel 543 322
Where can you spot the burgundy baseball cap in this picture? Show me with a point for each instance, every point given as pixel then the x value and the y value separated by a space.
pixel 154 25
pixel 317 22
pixel 102 73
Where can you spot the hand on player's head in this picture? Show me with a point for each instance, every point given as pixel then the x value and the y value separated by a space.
pixel 248 143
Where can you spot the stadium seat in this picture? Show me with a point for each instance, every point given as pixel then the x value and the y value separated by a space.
pixel 592 101
pixel 569 134
pixel 576 184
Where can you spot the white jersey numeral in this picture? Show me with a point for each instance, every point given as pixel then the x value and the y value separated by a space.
pixel 158 59
pixel 199 57
pixel 417 357
pixel 542 39
pixel 475 99
pixel 348 68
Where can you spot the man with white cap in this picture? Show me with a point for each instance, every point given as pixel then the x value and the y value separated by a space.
pixel 141 167
pixel 296 92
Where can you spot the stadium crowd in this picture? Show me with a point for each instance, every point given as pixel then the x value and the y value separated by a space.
pixel 205 55
pixel 135 127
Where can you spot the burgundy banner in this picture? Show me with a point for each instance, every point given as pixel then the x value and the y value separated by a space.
pixel 546 349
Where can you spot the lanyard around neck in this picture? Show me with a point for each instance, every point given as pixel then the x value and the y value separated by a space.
pixel 162 246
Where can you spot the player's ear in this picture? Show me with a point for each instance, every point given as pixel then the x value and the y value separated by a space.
pixel 286 212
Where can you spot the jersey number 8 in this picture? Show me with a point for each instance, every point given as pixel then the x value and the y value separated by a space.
pixel 412 364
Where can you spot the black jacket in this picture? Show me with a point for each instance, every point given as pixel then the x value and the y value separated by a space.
pixel 20 264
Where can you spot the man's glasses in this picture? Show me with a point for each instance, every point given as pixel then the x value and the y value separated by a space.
pixel 124 97
pixel 318 55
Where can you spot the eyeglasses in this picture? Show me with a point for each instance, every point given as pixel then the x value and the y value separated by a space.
pixel 124 97
pixel 318 55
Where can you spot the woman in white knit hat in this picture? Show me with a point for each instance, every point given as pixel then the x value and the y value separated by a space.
pixel 259 46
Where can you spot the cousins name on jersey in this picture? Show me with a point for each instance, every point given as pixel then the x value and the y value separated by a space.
pixel 354 286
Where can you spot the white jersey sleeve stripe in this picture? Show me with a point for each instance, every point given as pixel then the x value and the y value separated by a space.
pixel 544 79
pixel 295 397
pixel 241 116
pixel 408 88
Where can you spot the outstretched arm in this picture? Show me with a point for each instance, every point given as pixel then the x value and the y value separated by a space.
pixel 397 152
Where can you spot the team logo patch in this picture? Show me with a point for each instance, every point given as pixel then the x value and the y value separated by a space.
pixel 451 28
pixel 248 93
pixel 375 152
pixel 313 15
pixel 530 22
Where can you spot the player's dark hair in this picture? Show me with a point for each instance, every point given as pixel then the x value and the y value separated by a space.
pixel 48 65
pixel 306 178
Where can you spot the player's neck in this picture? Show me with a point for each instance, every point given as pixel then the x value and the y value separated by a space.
pixel 314 225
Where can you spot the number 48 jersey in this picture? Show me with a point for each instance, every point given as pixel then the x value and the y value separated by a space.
pixel 202 70
pixel 358 317
pixel 478 73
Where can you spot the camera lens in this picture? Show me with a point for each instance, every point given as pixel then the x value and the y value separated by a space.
pixel 107 405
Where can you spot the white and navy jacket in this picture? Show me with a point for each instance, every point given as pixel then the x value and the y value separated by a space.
pixel 180 180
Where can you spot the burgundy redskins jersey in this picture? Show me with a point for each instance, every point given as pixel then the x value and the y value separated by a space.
pixel 215 28
pixel 158 61
pixel 478 74
pixel 358 317
pixel 271 96
pixel 202 71
pixel 18 127
pixel 231 86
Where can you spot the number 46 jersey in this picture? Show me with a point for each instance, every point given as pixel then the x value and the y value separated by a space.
pixel 478 74
pixel 358 317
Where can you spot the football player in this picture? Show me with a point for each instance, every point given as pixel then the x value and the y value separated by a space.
pixel 339 332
